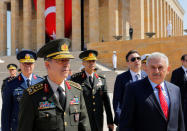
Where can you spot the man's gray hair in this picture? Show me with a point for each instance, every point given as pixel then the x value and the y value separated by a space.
pixel 158 55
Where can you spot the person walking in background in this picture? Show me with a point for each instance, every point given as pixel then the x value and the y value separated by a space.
pixel 169 29
pixel 114 60
pixel 12 68
pixel 54 104
pixel 134 73
pixel 179 78
pixel 95 91
pixel 131 33
pixel 14 89
pixel 153 104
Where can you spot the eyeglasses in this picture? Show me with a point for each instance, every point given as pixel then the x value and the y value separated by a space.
pixel 135 58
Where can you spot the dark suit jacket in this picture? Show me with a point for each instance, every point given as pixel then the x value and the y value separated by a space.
pixel 142 111
pixel 122 80
pixel 96 99
pixel 179 78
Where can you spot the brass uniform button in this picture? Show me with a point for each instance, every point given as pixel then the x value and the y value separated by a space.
pixel 93 97
pixel 64 113
pixel 65 123
pixel 93 103
pixel 94 110
pixel 47 115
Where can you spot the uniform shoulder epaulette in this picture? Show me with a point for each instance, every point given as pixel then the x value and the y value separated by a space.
pixel 74 84
pixel 101 75
pixel 77 74
pixel 32 89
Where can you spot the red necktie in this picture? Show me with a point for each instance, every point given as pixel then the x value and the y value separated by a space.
pixel 163 101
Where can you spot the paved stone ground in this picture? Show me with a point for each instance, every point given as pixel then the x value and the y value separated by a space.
pixel 75 66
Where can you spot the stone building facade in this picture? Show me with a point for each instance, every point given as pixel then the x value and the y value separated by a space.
pixel 92 21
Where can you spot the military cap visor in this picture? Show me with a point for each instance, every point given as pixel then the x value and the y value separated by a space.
pixel 88 55
pixel 26 56
pixel 56 49
pixel 11 66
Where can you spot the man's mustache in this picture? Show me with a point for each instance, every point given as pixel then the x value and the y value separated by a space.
pixel 156 74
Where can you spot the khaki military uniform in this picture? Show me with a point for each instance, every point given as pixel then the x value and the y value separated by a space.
pixel 41 111
pixel 96 99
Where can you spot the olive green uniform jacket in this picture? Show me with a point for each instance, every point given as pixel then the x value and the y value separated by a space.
pixel 41 111
pixel 96 99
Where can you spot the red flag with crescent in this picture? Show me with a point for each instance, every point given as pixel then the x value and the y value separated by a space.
pixel 50 17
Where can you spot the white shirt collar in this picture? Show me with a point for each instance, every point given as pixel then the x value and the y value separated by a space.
pixel 89 74
pixel 154 84
pixel 133 74
pixel 185 69
pixel 54 86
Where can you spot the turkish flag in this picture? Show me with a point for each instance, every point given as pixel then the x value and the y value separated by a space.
pixel 50 17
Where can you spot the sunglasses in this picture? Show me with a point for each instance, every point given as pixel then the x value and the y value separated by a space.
pixel 135 58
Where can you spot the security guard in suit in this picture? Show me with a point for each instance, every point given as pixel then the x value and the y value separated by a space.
pixel 14 89
pixel 95 91
pixel 12 68
pixel 54 104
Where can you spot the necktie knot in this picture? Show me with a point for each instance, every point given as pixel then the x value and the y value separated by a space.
pixel 137 76
pixel 159 87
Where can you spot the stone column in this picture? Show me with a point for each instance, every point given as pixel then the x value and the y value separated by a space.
pixel 167 17
pixel 164 18
pixel 14 25
pixel 3 28
pixel 76 25
pixel 94 21
pixel 152 16
pixel 27 24
pixel 126 18
pixel 40 24
pixel 137 18
pixel 146 18
pixel 113 13
pixel 156 18
pixel 60 18
pixel 161 20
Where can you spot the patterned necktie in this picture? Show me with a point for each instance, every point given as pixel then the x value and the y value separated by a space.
pixel 62 97
pixel 137 76
pixel 163 101
pixel 28 83
pixel 91 81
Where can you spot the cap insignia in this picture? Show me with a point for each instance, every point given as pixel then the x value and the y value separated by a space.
pixel 91 55
pixel 27 56
pixel 64 47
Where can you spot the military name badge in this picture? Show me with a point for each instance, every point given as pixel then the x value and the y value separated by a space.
pixel 46 105
pixel 74 101
pixel 77 117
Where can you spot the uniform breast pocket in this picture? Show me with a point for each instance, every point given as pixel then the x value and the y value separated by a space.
pixel 74 114
pixel 47 119
pixel 18 94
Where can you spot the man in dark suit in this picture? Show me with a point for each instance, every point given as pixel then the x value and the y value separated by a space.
pixel 153 104
pixel 179 78
pixel 54 104
pixel 14 89
pixel 134 73
pixel 95 91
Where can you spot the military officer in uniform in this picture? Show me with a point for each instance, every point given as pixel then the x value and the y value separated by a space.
pixel 54 104
pixel 14 89
pixel 12 68
pixel 95 91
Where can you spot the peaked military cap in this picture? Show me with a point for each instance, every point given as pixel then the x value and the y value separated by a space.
pixel 144 57
pixel 56 49
pixel 12 66
pixel 88 55
pixel 26 56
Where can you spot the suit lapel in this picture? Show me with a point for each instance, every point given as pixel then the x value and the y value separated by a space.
pixel 171 99
pixel 68 97
pixel 23 84
pixel 153 98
